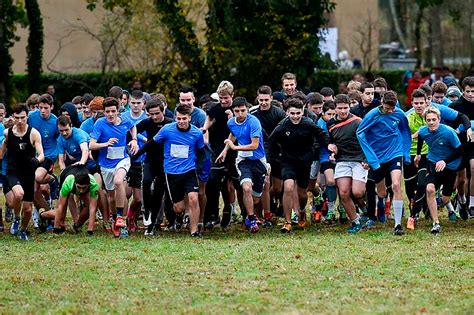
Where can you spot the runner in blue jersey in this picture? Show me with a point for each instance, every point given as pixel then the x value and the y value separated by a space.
pixel 198 119
pixel 444 159
pixel 110 138
pixel 385 138
pixel 46 123
pixel 183 156
pixel 251 161
pixel 135 174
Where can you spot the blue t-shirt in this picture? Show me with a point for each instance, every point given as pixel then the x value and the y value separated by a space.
pixel 198 117
pixel 441 143
pixel 87 125
pixel 244 132
pixel 446 102
pixel 103 130
pixel 179 147
pixel 72 145
pixel 384 137
pixel 324 153
pixel 48 129
pixel 141 136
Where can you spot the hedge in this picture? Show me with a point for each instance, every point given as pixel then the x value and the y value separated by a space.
pixel 70 85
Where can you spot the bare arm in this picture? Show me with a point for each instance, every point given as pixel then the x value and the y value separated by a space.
pixel 61 160
pixel 35 138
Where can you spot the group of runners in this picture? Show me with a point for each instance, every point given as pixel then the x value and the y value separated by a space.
pixel 127 162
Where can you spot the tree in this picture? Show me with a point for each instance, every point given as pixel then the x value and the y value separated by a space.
pixel 34 49
pixel 11 14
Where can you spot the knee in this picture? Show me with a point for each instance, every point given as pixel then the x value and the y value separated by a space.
pixel 396 187
pixel 247 188
pixel 18 195
pixel 193 199
pixel 118 183
pixel 289 187
pixel 430 190
pixel 358 194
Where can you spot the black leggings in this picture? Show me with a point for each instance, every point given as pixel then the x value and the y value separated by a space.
pixel 152 199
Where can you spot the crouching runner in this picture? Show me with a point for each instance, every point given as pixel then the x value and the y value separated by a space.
pixel 77 181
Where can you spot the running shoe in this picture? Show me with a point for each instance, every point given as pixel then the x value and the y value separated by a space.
pixel 342 215
pixel 9 215
pixel 208 226
pixel 76 228
pixel 186 222
pixel 330 218
pixel 196 234
pixel 226 216
pixel 463 211
pixel 267 219
pixel 369 224
pixel 115 230
pixel 150 230
pixel 178 223
pixel 355 228
pixel 411 223
pixel 363 219
pixel 316 216
pixel 286 228
pixel 302 219
pixel 24 235
pixel 124 232
pixel 252 225
pixel 398 230
pixel 35 216
pixel 98 215
pixel 436 228
pixel 452 216
pixel 15 227
pixel 120 222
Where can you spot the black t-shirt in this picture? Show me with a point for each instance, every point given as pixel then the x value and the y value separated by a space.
pixel 361 110
pixel 269 119
pixel 155 153
pixel 219 131
pixel 343 135
pixel 296 142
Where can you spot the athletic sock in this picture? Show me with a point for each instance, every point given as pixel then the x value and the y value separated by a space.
pixel 471 201
pixel 398 208
pixel 331 206
pixel 450 207
pixel 119 211
pixel 356 220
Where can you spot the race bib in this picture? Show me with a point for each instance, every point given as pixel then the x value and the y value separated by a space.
pixel 245 154
pixel 179 151
pixel 114 153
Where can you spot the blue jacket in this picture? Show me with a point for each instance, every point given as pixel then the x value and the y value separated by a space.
pixel 384 137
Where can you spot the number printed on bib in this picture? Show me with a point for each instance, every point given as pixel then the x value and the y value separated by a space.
pixel 114 153
pixel 179 151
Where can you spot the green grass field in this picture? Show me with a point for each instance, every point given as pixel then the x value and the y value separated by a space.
pixel 319 270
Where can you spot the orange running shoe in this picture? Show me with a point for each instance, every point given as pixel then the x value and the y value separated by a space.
pixel 120 222
pixel 411 223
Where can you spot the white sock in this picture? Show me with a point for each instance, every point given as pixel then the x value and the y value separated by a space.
pixel 471 201
pixel 356 220
pixel 449 206
pixel 398 208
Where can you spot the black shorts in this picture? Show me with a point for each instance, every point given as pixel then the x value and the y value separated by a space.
pixel 180 184
pixel 327 166
pixel 446 178
pixel 48 165
pixel 26 181
pixel 299 172
pixel 135 175
pixel 386 168
pixel 275 171
pixel 253 171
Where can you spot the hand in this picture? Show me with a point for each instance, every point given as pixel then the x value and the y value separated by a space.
pixel 221 157
pixel 111 142
pixel 133 147
pixel 365 165
pixel 229 114
pixel 440 165
pixel 332 157
pixel 416 161
pixel 79 163
pixel 332 148
pixel 229 143
pixel 470 137
pixel 415 135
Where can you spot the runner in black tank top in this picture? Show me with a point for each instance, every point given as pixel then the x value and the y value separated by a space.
pixel 22 163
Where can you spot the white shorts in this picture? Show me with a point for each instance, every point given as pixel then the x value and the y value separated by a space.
pixel 351 169
pixel 108 174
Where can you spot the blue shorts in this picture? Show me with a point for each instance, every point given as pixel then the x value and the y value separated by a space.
pixel 205 171
pixel 386 168
pixel 253 171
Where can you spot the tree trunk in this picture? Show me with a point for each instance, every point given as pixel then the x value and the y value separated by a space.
pixel 429 49
pixel 437 40
pixel 418 21
pixel 396 23
pixel 34 49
